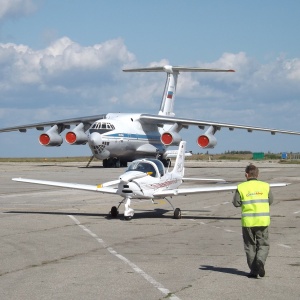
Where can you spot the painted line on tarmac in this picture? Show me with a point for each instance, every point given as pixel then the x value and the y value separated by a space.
pixel 139 271
pixel 284 246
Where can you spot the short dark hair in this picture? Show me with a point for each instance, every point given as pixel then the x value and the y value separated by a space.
pixel 252 171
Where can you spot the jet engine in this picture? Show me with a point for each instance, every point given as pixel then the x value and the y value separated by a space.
pixel 51 137
pixel 170 138
pixel 77 136
pixel 208 140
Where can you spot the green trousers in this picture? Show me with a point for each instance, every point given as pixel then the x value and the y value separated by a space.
pixel 256 244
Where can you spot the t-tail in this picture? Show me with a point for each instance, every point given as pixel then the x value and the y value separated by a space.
pixel 168 98
pixel 179 163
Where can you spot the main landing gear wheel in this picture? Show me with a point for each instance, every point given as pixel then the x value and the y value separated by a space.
pixel 177 213
pixel 114 212
pixel 128 218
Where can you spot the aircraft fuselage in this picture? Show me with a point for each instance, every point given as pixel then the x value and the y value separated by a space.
pixel 123 136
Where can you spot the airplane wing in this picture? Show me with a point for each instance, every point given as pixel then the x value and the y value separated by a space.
pixel 203 179
pixel 205 189
pixel 94 188
pixel 65 122
pixel 160 120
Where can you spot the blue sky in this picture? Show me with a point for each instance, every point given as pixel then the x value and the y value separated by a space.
pixel 63 59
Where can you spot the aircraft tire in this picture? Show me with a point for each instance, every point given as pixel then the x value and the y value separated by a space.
pixel 177 213
pixel 123 163
pixel 117 163
pixel 169 162
pixel 127 218
pixel 104 163
pixel 114 212
pixel 165 162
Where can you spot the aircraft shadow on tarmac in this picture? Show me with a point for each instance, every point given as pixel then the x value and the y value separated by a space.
pixel 224 270
pixel 151 214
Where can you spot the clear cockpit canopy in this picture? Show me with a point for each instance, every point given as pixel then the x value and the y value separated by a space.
pixel 152 167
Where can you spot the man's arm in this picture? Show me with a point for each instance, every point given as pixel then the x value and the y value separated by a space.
pixel 271 197
pixel 237 199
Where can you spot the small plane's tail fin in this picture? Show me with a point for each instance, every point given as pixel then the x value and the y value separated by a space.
pixel 168 98
pixel 179 163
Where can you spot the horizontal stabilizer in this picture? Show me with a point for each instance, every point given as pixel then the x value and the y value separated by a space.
pixel 171 69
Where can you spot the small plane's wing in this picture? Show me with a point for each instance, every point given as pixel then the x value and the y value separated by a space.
pixel 160 120
pixel 203 179
pixel 205 189
pixel 94 188
pixel 65 122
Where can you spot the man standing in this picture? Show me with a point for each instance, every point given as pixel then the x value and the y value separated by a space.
pixel 255 198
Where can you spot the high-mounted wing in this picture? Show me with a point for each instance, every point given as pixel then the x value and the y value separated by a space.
pixel 206 189
pixel 94 188
pixel 64 122
pixel 160 120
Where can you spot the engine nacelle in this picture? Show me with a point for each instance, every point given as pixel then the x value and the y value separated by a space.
pixel 77 136
pixel 170 138
pixel 51 137
pixel 208 140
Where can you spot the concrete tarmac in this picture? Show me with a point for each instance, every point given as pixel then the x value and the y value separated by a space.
pixel 61 244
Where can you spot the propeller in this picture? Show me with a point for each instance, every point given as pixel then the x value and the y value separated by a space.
pixel 132 175
pixel 124 178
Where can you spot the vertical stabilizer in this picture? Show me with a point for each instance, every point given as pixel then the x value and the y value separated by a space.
pixel 179 163
pixel 168 98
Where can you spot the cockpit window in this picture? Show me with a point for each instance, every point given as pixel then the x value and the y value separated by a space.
pixel 102 127
pixel 143 166
pixel 159 165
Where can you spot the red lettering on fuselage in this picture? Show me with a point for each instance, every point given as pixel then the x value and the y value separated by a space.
pixel 164 184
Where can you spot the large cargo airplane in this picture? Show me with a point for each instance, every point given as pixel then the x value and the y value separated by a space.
pixel 118 138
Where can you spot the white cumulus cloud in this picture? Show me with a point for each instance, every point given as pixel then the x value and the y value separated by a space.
pixel 15 8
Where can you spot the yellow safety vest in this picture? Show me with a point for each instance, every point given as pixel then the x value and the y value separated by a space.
pixel 255 203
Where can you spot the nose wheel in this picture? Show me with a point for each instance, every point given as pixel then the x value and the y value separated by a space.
pixel 128 213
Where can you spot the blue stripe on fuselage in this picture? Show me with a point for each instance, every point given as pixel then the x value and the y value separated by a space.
pixel 133 136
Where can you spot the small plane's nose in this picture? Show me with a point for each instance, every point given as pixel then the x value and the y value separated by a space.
pixel 95 139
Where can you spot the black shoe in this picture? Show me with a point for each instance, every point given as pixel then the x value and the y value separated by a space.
pixel 260 268
pixel 251 275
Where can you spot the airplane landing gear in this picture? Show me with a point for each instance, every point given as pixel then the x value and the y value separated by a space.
pixel 114 163
pixel 177 213
pixel 129 212
pixel 166 162
pixel 114 212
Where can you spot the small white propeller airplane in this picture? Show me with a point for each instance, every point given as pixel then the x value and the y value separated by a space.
pixel 118 138
pixel 147 179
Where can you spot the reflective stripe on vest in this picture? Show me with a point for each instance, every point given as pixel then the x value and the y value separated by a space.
pixel 255 203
